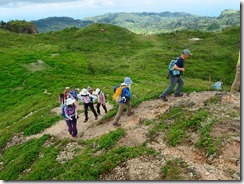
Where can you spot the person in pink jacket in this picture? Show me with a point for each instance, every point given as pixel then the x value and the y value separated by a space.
pixel 101 100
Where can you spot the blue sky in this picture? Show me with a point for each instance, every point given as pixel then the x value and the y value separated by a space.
pixel 79 9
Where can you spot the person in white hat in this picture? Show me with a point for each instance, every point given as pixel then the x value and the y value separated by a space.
pixel 71 116
pixel 87 100
pixel 179 65
pixel 125 101
pixel 101 100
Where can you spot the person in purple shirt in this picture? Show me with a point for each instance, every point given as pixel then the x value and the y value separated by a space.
pixel 179 65
pixel 70 111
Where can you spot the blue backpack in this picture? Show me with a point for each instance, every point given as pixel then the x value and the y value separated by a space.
pixel 171 68
pixel 74 94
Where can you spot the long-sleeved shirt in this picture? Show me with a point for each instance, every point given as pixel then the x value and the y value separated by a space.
pixel 70 111
pixel 101 98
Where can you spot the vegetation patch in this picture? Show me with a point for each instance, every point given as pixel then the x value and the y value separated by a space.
pixel 39 65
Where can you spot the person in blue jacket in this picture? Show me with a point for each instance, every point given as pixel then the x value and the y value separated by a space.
pixel 125 101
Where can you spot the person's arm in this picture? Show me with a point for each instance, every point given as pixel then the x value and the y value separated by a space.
pixel 76 114
pixel 66 114
pixel 93 97
pixel 178 68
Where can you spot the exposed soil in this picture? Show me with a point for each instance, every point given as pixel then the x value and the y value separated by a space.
pixel 222 166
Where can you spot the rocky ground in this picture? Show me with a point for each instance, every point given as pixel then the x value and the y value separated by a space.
pixel 224 166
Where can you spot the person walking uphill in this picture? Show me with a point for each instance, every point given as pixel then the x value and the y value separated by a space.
pixel 87 100
pixel 101 100
pixel 175 76
pixel 125 101
pixel 70 111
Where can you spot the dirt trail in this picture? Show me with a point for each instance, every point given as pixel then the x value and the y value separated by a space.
pixel 224 167
pixel 146 110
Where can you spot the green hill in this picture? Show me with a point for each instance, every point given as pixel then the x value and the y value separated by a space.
pixel 59 23
pixel 147 22
pixel 36 68
pixel 154 23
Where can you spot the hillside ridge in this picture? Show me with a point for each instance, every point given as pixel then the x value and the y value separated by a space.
pixel 203 167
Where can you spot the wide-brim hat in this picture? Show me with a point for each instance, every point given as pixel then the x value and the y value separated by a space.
pixel 70 101
pixel 97 91
pixel 84 92
pixel 127 80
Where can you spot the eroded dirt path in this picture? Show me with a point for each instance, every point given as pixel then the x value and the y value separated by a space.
pixel 223 167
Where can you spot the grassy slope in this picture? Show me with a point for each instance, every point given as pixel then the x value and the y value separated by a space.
pixel 79 58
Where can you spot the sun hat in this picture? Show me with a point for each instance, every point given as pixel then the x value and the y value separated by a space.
pixel 67 88
pixel 127 80
pixel 89 88
pixel 70 101
pixel 84 91
pixel 187 51
pixel 97 91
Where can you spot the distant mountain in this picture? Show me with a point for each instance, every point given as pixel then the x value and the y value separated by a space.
pixel 59 23
pixel 151 23
pixel 147 22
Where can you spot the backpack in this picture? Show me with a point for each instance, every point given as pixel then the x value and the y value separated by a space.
pixel 61 98
pixel 62 110
pixel 171 69
pixel 117 93
pixel 217 86
pixel 74 94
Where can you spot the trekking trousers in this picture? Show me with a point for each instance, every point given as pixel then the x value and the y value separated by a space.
pixel 173 81
pixel 98 108
pixel 72 128
pixel 86 105
pixel 121 109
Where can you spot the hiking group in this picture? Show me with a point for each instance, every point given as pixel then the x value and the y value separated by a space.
pixel 122 95
pixel 88 97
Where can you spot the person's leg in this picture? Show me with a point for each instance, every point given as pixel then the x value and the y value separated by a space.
pixel 98 108
pixel 93 110
pixel 74 128
pixel 173 81
pixel 86 112
pixel 180 86
pixel 69 126
pixel 119 113
pixel 128 104
pixel 105 108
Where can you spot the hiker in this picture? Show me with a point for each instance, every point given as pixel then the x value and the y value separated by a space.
pixel 125 100
pixel 235 87
pixel 70 111
pixel 101 100
pixel 66 93
pixel 179 65
pixel 73 94
pixel 87 100
pixel 61 98
pixel 90 90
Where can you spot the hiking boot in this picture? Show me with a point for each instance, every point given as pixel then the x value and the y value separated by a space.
pixel 116 124
pixel 163 98
pixel 96 118
pixel 132 112
pixel 85 120
pixel 179 95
